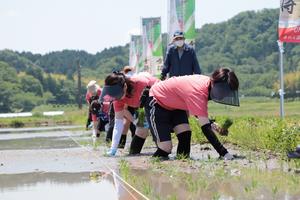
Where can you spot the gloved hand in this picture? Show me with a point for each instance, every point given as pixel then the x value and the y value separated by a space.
pixel 228 156
pixel 162 77
pixel 218 130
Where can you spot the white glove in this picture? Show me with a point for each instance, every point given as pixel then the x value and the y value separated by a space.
pixel 228 156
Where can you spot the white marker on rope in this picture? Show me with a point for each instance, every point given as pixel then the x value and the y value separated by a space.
pixel 114 173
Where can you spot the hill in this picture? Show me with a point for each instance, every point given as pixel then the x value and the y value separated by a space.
pixel 247 43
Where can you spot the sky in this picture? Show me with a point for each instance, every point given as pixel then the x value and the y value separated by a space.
pixel 42 26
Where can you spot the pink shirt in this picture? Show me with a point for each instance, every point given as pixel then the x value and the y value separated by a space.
pixel 184 93
pixel 139 83
pixel 89 95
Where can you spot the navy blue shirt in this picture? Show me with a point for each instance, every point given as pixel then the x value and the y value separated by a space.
pixel 187 64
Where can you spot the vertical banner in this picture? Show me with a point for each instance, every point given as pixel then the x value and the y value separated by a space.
pixel 289 21
pixel 181 16
pixel 152 45
pixel 135 53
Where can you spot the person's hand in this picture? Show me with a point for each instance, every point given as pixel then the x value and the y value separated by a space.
pixel 162 77
pixel 223 132
pixel 217 129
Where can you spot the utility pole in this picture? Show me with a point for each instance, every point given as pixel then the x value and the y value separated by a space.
pixel 281 90
pixel 79 85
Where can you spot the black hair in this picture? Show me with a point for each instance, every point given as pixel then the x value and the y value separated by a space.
pixel 118 77
pixel 225 75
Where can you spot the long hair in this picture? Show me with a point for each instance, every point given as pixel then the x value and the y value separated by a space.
pixel 225 75
pixel 119 78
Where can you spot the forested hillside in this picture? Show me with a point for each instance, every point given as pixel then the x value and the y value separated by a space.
pixel 246 43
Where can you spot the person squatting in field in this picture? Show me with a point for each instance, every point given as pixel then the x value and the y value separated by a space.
pixel 126 91
pixel 170 99
pixel 97 113
pixel 128 125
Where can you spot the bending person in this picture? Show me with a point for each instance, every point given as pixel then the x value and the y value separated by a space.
pixel 92 94
pixel 170 99
pixel 126 91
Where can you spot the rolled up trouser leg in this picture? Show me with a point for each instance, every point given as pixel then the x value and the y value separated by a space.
pixel 137 144
pixel 212 138
pixel 184 144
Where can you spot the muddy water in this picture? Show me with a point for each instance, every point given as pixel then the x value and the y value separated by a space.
pixel 50 165
pixel 51 186
pixel 247 184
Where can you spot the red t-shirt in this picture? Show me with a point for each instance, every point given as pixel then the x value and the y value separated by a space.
pixel 140 81
pixel 89 95
pixel 184 93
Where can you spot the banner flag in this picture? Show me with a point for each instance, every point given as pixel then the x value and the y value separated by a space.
pixel 181 16
pixel 289 21
pixel 135 53
pixel 152 45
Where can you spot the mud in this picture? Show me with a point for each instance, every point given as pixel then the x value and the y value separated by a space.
pixel 33 164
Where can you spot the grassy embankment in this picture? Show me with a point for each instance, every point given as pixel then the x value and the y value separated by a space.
pixel 257 124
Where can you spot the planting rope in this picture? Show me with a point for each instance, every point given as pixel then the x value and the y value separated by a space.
pixel 113 172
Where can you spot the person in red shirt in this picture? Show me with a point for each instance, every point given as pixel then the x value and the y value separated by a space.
pixel 126 91
pixel 170 99
pixel 128 72
pixel 93 93
pixel 97 112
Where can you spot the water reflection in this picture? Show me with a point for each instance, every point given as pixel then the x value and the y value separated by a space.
pixel 95 185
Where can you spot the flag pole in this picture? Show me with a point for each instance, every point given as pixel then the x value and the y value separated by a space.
pixel 281 90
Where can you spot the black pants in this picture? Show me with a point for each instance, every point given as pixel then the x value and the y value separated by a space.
pixel 111 123
pixel 163 121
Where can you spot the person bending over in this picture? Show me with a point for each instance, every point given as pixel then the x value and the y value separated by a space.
pixel 170 99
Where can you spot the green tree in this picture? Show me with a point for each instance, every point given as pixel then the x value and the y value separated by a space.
pixel 31 84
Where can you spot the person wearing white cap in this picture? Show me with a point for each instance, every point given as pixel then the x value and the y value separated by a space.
pixel 93 93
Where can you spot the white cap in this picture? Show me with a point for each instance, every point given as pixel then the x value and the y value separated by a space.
pixel 91 83
pixel 92 87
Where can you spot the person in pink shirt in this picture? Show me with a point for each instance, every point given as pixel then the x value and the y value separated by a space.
pixel 126 91
pixel 93 93
pixel 171 99
pixel 95 109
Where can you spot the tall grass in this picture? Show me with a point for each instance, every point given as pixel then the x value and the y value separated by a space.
pixel 257 133
pixel 256 124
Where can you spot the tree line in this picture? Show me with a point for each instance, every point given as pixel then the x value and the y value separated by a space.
pixel 246 43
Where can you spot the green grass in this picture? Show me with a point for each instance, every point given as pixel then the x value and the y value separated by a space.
pixel 257 133
pixel 256 125
pixel 72 115
pixel 255 107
